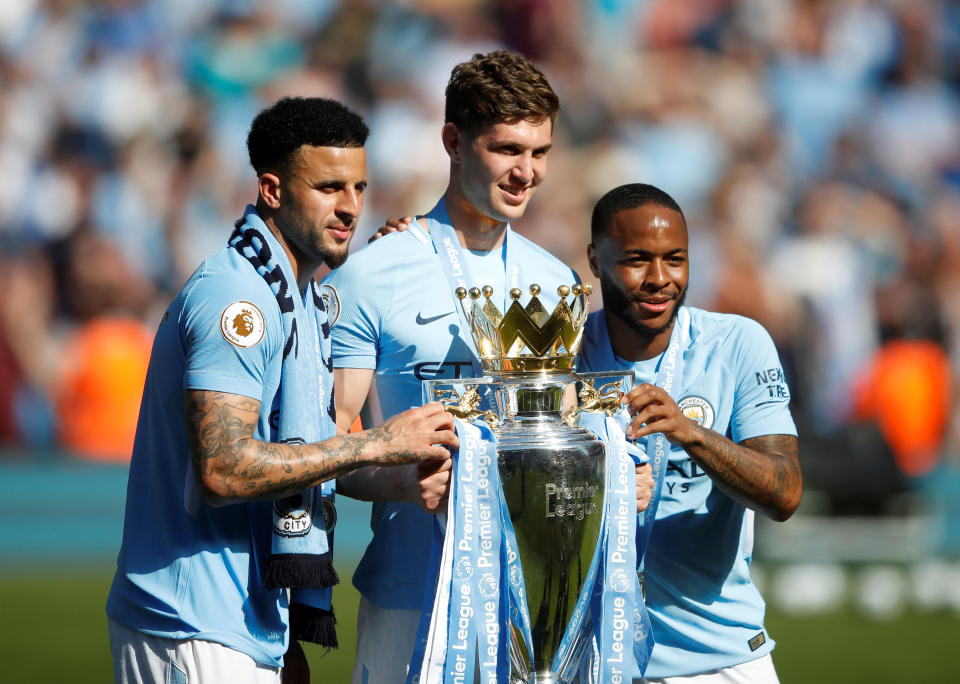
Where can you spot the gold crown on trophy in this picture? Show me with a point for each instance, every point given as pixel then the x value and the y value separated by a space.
pixel 526 339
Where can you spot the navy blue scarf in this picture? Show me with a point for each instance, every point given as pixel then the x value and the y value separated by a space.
pixel 301 554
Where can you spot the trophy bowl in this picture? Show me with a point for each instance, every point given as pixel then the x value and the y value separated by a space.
pixel 552 476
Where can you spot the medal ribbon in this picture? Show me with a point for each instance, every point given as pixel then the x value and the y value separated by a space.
pixel 454 262
pixel 668 370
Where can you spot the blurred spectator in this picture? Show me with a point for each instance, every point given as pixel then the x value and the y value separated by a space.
pixel 815 147
pixel 28 349
pixel 825 273
pixel 906 389
pixel 906 385
pixel 98 398
pixel 242 51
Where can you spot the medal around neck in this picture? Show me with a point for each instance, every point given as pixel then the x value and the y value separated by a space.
pixel 544 499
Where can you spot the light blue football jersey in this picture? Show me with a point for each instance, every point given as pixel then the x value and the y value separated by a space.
pixel 705 610
pixel 399 316
pixel 187 569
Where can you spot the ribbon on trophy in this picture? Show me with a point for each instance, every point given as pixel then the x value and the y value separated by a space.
pixel 480 596
pixel 535 562
pixel 461 627
pixel 598 356
pixel 617 603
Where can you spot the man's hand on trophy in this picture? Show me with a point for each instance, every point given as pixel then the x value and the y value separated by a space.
pixel 644 486
pixel 433 478
pixel 392 226
pixel 419 434
pixel 654 410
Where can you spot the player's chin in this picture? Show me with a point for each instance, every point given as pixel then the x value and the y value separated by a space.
pixel 652 325
pixel 336 256
pixel 510 211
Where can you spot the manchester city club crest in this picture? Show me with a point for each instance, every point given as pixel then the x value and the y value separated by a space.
pixel 331 302
pixel 698 410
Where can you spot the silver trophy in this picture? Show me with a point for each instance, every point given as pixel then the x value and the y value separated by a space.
pixel 552 470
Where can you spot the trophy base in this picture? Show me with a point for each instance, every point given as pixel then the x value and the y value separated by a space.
pixel 539 678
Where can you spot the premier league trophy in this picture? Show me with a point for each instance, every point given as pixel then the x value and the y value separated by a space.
pixel 552 471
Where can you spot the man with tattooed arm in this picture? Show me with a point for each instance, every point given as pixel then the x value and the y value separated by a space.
pixel 710 396
pixel 226 555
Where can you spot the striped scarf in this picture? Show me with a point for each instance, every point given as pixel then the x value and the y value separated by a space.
pixel 301 554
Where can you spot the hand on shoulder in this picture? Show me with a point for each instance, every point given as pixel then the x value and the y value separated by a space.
pixel 393 225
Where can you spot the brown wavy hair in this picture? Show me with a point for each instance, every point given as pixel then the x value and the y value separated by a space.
pixel 499 87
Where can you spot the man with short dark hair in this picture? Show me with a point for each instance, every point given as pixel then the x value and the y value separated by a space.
pixel 711 400
pixel 230 496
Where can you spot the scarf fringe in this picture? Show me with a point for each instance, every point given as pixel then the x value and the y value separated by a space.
pixel 296 571
pixel 315 625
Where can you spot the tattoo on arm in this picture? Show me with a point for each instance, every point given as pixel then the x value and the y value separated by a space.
pixel 231 465
pixel 763 473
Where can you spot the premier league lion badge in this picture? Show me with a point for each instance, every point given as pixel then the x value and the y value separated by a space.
pixel 242 324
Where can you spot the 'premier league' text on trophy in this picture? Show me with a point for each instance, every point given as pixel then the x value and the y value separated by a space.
pixel 552 473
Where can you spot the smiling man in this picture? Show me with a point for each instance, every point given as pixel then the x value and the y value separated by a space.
pixel 724 427
pixel 400 322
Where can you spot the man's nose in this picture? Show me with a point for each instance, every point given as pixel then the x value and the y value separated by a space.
pixel 657 273
pixel 350 204
pixel 523 169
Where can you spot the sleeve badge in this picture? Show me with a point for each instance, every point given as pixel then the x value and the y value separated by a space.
pixel 331 302
pixel 698 410
pixel 242 324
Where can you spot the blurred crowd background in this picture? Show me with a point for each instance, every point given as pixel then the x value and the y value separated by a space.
pixel 814 146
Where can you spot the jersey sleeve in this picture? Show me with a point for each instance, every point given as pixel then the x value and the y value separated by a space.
pixel 364 289
pixel 761 402
pixel 231 330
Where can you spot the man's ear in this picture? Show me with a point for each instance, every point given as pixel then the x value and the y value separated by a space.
pixel 592 258
pixel 450 135
pixel 268 184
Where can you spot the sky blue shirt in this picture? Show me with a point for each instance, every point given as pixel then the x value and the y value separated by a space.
pixel 187 569
pixel 398 317
pixel 705 610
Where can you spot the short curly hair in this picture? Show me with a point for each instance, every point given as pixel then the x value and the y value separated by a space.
pixel 499 87
pixel 624 198
pixel 279 130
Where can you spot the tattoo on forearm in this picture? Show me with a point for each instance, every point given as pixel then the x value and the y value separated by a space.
pixel 221 427
pixel 763 471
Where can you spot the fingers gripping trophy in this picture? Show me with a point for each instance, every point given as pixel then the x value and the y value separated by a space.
pixel 536 576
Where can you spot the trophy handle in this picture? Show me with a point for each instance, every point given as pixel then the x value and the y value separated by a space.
pixel 466 405
pixel 604 400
